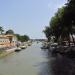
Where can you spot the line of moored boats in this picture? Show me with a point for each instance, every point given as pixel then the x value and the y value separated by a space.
pixel 64 48
pixel 23 46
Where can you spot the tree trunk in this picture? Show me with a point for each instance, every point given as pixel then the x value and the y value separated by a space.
pixel 73 38
pixel 69 41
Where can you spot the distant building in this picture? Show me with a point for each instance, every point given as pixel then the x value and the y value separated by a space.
pixel 7 40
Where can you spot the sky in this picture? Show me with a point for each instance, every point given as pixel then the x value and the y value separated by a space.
pixel 28 16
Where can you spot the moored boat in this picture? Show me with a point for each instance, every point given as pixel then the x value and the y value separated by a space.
pixel 23 47
pixel 29 44
pixel 18 49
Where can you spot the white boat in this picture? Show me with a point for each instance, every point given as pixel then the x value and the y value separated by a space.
pixel 23 47
pixel 18 49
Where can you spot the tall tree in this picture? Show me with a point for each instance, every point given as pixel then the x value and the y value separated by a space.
pixel 62 23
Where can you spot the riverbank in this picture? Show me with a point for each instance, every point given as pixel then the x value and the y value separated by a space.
pixel 6 52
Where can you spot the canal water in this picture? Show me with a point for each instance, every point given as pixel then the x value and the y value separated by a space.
pixel 34 61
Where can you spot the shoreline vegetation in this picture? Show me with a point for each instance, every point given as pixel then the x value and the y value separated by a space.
pixel 61 30
pixel 62 24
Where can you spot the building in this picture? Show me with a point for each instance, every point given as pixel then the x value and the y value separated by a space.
pixel 7 40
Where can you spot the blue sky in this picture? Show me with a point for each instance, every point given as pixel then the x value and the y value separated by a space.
pixel 28 16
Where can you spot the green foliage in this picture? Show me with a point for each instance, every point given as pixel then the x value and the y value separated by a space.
pixel 55 28
pixel 1 30
pixel 22 38
pixel 18 36
pixel 62 24
pixel 56 19
pixel 47 32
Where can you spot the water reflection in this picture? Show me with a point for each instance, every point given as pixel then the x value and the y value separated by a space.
pixel 58 65
pixel 63 66
pixel 34 61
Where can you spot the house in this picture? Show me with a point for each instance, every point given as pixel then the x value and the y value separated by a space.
pixel 7 40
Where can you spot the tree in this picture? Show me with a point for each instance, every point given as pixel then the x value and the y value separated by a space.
pixel 9 31
pixel 69 18
pixel 56 23
pixel 47 32
pixel 18 37
pixel 22 38
pixel 1 30
pixel 62 24
pixel 58 26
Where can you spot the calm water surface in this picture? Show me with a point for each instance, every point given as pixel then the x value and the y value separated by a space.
pixel 34 61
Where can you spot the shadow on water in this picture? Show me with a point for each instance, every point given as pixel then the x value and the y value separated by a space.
pixel 57 65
